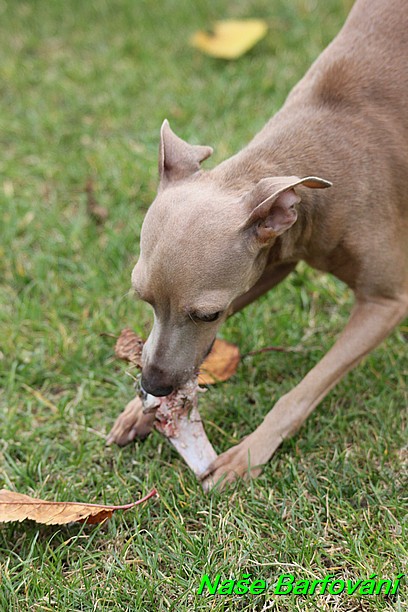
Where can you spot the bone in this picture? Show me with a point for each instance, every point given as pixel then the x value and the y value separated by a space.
pixel 175 416
pixel 178 419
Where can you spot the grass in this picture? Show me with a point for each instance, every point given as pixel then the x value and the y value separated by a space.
pixel 84 88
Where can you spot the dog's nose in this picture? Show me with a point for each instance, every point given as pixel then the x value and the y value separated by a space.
pixel 156 390
pixel 154 382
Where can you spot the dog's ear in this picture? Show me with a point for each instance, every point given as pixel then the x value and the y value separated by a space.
pixel 177 158
pixel 271 204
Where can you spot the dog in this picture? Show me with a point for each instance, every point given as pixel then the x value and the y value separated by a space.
pixel 325 181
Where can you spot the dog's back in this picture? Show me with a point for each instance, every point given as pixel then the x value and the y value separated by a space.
pixel 347 120
pixel 367 63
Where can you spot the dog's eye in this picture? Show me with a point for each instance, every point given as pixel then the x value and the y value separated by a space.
pixel 206 318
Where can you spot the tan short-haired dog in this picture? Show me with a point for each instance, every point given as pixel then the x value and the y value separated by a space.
pixel 213 241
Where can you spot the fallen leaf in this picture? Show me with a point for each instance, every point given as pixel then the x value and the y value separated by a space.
pixel 220 364
pixel 19 507
pixel 129 346
pixel 230 38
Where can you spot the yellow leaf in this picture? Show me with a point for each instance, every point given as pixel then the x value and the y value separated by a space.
pixel 230 38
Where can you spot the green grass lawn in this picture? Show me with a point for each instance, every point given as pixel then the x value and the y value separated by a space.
pixel 84 88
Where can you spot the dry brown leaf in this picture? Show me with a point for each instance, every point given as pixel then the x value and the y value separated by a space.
pixel 230 38
pixel 129 346
pixel 19 507
pixel 220 364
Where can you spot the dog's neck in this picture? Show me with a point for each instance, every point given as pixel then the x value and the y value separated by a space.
pixel 265 158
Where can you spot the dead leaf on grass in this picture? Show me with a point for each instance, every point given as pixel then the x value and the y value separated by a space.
pixel 19 507
pixel 129 346
pixel 220 364
pixel 230 38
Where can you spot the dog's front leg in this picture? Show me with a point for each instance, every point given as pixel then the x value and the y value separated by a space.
pixel 370 322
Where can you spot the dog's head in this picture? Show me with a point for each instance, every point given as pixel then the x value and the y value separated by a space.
pixel 202 245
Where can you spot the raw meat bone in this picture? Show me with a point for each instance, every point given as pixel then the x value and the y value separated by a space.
pixel 176 416
pixel 178 419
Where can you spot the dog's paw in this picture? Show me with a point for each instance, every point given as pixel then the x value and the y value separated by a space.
pixel 237 462
pixel 132 423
